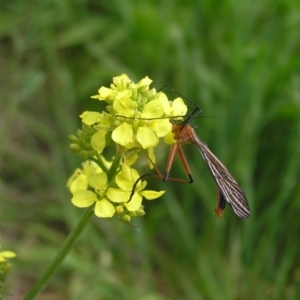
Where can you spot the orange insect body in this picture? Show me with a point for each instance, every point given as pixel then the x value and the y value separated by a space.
pixel 183 135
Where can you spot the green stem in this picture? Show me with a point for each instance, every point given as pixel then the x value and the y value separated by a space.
pixel 66 248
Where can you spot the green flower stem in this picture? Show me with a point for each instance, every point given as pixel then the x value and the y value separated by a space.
pixel 114 169
pixel 66 248
pixel 101 164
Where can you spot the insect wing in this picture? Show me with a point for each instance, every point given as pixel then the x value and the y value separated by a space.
pixel 226 183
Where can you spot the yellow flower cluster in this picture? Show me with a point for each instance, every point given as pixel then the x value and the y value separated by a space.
pixel 136 117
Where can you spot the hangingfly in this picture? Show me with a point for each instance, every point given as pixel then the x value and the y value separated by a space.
pixel 228 189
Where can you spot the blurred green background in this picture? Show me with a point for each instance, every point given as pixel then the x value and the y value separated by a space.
pixel 239 60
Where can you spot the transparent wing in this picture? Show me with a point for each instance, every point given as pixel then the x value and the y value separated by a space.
pixel 229 188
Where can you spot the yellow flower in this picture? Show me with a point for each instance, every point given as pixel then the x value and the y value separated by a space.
pixel 6 254
pixel 90 186
pixel 126 180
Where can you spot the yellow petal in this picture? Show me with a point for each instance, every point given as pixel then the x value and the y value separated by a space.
pixel 98 181
pixel 117 195
pixel 6 254
pixel 105 94
pixel 84 198
pixel 130 158
pixel 123 134
pixel 135 202
pixel 127 178
pixel 90 167
pixel 124 107
pixel 104 209
pixel 162 98
pixel 169 138
pixel 98 141
pixel 178 107
pixel 124 94
pixel 146 137
pixel 121 81
pixel 90 117
pixel 105 123
pixel 152 109
pixel 161 127
pixel 144 82
pixel 151 156
pixel 76 173
pixel 124 180
pixel 80 182
pixel 150 195
pixel 140 185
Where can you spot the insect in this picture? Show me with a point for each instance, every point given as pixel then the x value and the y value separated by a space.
pixel 228 189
